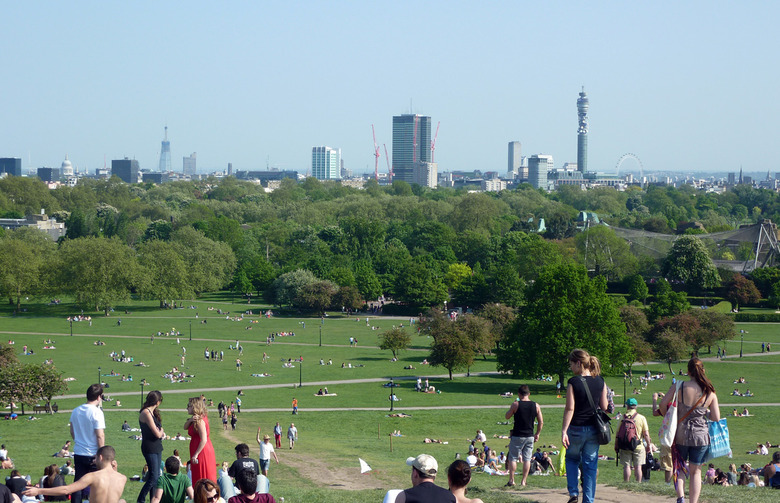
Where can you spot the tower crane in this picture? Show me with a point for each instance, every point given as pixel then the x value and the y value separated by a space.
pixel 433 142
pixel 376 155
pixel 389 167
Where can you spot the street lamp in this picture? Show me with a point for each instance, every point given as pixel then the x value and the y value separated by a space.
pixel 190 329
pixel 624 387
pixel 99 377
pixel 300 373
pixel 741 341
pixel 143 383
pixel 320 335
pixel 71 328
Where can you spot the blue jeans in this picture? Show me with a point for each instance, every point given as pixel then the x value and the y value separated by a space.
pixel 583 453
pixel 227 489
pixel 153 461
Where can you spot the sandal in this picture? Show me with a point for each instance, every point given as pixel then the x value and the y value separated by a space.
pixel 572 499
pixel 510 484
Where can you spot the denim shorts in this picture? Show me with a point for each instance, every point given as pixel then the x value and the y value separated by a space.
pixel 693 454
pixel 264 464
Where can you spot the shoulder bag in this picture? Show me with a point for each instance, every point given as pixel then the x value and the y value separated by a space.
pixel 669 425
pixel 601 419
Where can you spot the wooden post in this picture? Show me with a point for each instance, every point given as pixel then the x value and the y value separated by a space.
pixel 391 443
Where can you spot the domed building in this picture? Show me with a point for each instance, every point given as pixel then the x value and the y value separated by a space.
pixel 67 168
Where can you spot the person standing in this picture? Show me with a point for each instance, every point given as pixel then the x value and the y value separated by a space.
pixel 292 434
pixel 695 398
pixel 278 435
pixel 203 463
pixel 522 437
pixel 266 451
pixel 152 434
pixel 295 405
pixel 636 457
pixel 578 433
pixel 238 404
pixel 424 468
pixel 87 428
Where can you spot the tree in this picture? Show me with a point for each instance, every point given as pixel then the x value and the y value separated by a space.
pixel 479 332
pixel 667 302
pixel 210 263
pixel 317 296
pixel 420 286
pixel 713 327
pixel 240 284
pixel 774 297
pixel 367 282
pixel 741 291
pixel 163 275
pixel 456 273
pixel 98 272
pixel 287 287
pixel 689 263
pixel 24 256
pixel 395 339
pixel 606 253
pixel 451 348
pixel 500 315
pixel 48 382
pixel 347 297
pixel 637 328
pixel 564 310
pixel 637 288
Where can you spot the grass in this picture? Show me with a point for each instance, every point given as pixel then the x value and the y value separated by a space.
pixel 333 439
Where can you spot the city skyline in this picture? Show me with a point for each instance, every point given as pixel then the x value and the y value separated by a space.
pixel 237 84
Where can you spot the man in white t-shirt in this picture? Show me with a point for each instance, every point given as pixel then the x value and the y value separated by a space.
pixel 87 428
pixel 266 451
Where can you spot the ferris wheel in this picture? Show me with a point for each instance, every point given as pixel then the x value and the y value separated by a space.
pixel 627 156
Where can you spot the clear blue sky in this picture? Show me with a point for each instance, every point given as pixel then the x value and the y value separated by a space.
pixel 684 85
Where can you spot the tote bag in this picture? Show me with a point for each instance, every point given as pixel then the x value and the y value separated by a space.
pixel 669 424
pixel 719 439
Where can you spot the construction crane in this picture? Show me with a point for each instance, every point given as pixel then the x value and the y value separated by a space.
pixel 433 142
pixel 389 167
pixel 376 155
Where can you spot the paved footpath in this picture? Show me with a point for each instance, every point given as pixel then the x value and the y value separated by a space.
pixel 604 494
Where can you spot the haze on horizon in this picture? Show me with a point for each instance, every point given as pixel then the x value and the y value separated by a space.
pixel 686 87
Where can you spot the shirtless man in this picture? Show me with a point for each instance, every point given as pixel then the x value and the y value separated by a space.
pixel 106 484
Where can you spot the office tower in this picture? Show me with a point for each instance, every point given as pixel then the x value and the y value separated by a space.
pixel 732 178
pixel 537 171
pixel 514 159
pixel 165 154
pixel 11 165
pixel 411 147
pixel 325 162
pixel 126 169
pixel 230 169
pixel 582 132
pixel 48 174
pixel 189 166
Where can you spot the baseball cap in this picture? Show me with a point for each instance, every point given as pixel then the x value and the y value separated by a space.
pixel 631 402
pixel 425 463
pixel 266 437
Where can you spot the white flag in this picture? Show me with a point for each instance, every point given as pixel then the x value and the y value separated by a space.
pixel 364 466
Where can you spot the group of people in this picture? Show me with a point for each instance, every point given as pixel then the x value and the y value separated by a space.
pixel 768 476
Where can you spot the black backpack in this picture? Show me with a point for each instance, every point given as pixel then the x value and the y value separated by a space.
pixel 626 438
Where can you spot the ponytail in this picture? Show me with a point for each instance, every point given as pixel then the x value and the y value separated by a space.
pixel 696 370
pixel 586 361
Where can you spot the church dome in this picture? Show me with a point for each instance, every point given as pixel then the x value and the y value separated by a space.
pixel 67 168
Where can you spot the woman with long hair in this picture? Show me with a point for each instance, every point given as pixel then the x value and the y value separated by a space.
pixel 54 479
pixel 203 463
pixel 152 433
pixel 459 476
pixel 578 432
pixel 696 401
pixel 206 491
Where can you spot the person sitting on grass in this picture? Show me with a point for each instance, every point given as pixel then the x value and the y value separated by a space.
pixel 459 476
pixel 246 480
pixel 106 485
pixel 172 486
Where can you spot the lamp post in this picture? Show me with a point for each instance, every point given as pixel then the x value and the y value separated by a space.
pixel 320 335
pixel 143 383
pixel 624 387
pixel 300 373
pixel 71 328
pixel 190 329
pixel 741 341
pixel 99 377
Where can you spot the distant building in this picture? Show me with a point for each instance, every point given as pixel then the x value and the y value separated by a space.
pixel 732 179
pixel 412 148
pixel 514 159
pixel 165 154
pixel 537 171
pixel 126 169
pixel 325 163
pixel 426 174
pixel 11 165
pixel 266 176
pixel 230 169
pixel 66 169
pixel 582 131
pixel 189 164
pixel 747 180
pixel 48 174
pixel 156 178
pixel 54 229
pixel 493 185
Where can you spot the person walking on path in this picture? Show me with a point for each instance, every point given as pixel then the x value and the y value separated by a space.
pixel 295 405
pixel 278 435
pixel 695 398
pixel 87 428
pixel 522 437
pixel 292 434
pixel 578 433
pixel 637 456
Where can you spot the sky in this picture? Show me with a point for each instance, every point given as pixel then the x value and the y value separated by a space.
pixel 684 86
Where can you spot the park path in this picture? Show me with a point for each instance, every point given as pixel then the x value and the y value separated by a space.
pixel 604 494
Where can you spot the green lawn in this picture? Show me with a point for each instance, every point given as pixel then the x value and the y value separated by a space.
pixel 329 440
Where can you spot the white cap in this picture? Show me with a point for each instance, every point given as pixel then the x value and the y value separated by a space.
pixel 425 463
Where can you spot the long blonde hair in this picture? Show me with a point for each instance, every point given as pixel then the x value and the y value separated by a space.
pixel 586 361
pixel 198 407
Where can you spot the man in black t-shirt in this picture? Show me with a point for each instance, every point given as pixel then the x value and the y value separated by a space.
pixel 242 462
pixel 423 490
pixel 522 438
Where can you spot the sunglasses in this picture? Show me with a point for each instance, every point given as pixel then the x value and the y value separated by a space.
pixel 212 498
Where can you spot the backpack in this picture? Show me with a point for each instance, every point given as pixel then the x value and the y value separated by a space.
pixel 626 438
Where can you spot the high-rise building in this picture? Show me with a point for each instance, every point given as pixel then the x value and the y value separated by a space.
pixel 126 169
pixel 582 132
pixel 732 178
pixel 325 163
pixel 230 169
pixel 537 171
pixel 11 165
pixel 48 174
pixel 514 159
pixel 411 147
pixel 165 154
pixel 189 164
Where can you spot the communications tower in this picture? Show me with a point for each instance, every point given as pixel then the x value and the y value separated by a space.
pixel 582 132
pixel 165 154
